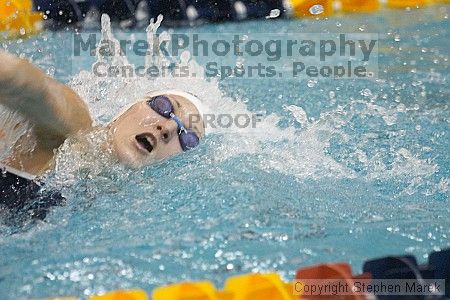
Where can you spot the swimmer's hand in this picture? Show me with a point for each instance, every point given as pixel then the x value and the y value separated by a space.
pixel 53 107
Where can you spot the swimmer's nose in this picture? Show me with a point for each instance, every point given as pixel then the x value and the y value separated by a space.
pixel 167 130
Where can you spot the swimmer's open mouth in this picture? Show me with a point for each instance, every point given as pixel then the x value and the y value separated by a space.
pixel 146 141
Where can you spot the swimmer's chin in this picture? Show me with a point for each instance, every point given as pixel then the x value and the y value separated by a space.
pixel 129 159
pixel 136 160
pixel 132 157
pixel 126 155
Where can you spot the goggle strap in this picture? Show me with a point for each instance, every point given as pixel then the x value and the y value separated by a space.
pixel 178 121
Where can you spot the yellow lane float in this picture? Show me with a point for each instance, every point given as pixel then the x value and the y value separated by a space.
pixel 259 286
pixel 18 19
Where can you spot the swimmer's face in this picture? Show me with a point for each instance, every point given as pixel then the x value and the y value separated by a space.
pixel 141 136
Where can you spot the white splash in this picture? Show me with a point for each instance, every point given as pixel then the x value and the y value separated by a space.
pixel 299 152
pixel 274 13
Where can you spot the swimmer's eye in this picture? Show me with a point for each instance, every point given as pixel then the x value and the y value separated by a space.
pixel 162 105
pixel 188 140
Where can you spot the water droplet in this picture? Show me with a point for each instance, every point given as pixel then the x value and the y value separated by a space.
pixel 311 83
pixel 22 31
pixel 401 107
pixel 332 94
pixel 397 38
pixel 299 115
pixel 274 13
pixel 316 9
pixel 338 24
pixel 366 92
pixel 218 254
pixel 191 13
pixel 417 83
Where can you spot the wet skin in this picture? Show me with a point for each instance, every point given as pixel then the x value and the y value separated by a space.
pixel 140 136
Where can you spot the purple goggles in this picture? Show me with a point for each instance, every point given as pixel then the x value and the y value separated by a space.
pixel 163 106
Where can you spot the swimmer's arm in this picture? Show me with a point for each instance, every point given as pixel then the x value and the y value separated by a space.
pixel 49 104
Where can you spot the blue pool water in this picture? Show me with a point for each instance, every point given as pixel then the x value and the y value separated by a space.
pixel 341 170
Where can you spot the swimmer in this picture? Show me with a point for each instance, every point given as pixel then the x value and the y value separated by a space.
pixel 158 126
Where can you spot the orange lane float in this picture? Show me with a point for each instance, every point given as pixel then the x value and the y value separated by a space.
pixel 402 4
pixel 328 274
pixel 359 6
pixel 122 295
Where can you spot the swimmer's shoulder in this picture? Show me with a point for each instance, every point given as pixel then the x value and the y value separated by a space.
pixel 23 195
